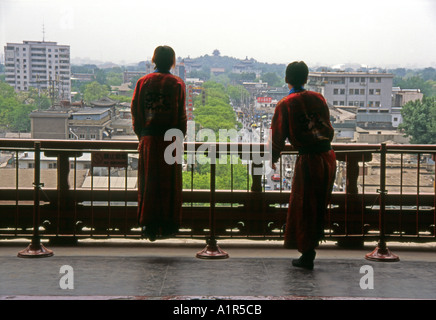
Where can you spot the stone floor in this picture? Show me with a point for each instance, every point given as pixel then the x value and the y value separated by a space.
pixel 169 270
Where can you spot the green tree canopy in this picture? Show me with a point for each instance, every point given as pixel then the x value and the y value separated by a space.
pixel 272 79
pixel 419 121
pixel 427 87
pixel 15 108
pixel 238 94
pixel 95 91
pixel 217 113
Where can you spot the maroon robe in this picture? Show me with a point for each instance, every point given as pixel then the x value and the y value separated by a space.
pixel 158 104
pixel 304 119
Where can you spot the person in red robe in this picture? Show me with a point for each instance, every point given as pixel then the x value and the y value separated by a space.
pixel 303 118
pixel 158 104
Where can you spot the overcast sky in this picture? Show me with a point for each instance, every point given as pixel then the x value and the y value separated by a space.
pixel 383 33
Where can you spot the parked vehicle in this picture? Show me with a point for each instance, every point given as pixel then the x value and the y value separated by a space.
pixel 275 177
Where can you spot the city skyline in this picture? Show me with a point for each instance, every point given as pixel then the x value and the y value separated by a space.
pixel 373 33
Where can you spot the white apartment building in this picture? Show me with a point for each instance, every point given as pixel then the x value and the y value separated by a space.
pixel 40 64
pixel 370 92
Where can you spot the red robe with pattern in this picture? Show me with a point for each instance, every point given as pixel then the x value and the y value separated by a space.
pixel 304 119
pixel 158 104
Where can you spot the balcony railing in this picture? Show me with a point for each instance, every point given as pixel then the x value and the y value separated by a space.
pixel 380 190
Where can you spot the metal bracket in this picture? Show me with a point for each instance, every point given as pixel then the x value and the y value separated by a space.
pixel 380 191
pixel 39 185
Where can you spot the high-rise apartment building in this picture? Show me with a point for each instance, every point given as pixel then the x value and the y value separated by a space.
pixel 40 64
pixel 369 92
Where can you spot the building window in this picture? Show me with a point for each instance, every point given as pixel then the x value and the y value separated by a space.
pixel 52 165
pixel 362 91
pixel 342 91
pixel 378 91
pixel 356 91
pixel 371 91
pixel 335 91
pixel 30 165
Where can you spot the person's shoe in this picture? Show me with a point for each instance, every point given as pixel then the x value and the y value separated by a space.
pixel 148 234
pixel 305 261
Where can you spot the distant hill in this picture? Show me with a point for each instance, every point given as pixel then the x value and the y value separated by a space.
pixel 226 62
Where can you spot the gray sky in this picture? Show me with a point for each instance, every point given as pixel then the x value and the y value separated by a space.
pixel 384 33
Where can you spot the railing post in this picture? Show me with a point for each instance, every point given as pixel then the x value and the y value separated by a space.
pixel 212 250
pixel 352 204
pixel 35 248
pixel 381 252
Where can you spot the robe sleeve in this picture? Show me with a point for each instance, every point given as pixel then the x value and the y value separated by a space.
pixel 134 109
pixel 182 122
pixel 279 131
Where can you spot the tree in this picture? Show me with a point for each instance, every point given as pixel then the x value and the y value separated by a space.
pixel 224 173
pixel 100 76
pixel 217 113
pixel 95 91
pixel 419 120
pixel 272 79
pixel 114 78
pixel 133 81
pixel 416 82
pixel 15 107
pixel 238 94
pixel 240 77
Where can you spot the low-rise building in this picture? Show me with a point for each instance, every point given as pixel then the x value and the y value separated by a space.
pixel 365 90
pixel 399 98
pixel 79 122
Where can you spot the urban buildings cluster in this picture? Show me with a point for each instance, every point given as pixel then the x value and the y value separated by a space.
pixel 365 107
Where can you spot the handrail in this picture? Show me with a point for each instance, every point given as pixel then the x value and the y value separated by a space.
pixel 254 213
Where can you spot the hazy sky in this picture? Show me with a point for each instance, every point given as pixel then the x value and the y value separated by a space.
pixel 385 33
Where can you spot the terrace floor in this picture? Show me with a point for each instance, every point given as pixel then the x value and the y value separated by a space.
pixel 169 270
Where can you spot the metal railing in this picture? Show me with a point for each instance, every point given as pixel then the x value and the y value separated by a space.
pixel 381 191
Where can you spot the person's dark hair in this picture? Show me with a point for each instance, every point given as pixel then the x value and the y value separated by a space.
pixel 164 58
pixel 297 73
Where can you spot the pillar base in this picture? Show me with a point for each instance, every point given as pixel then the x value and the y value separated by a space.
pixel 212 251
pixel 382 254
pixel 35 251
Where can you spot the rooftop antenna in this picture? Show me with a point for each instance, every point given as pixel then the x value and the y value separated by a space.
pixel 43 31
